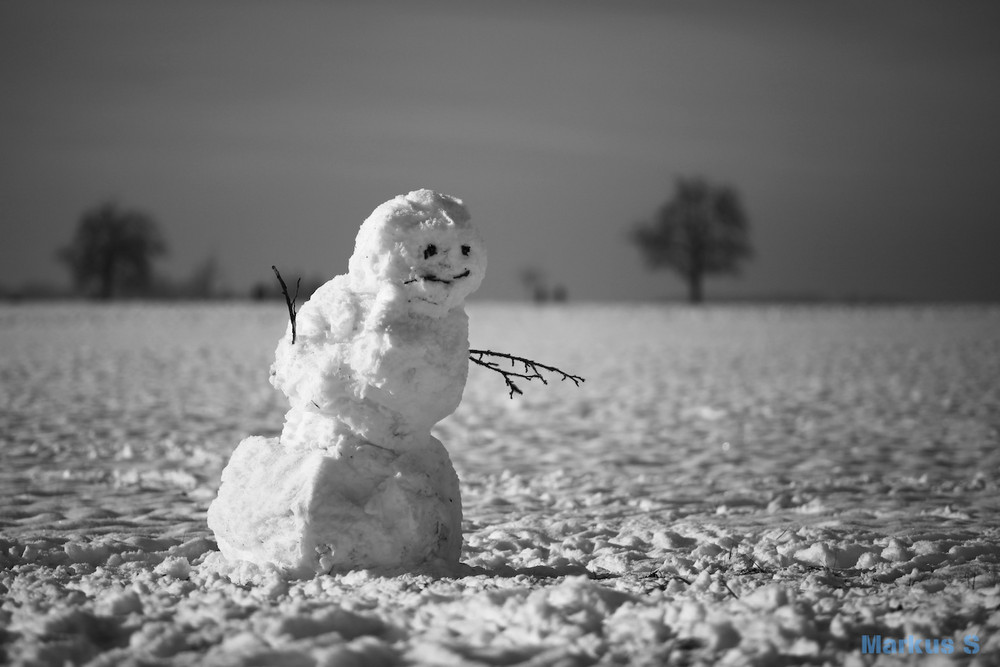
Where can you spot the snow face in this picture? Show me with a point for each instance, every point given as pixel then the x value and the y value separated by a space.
pixel 380 355
pixel 418 252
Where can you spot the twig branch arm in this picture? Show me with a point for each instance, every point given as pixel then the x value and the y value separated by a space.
pixel 290 302
pixel 531 369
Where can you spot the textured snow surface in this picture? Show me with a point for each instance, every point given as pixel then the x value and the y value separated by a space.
pixel 375 358
pixel 731 486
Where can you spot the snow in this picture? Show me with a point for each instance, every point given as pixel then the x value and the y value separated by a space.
pixel 603 523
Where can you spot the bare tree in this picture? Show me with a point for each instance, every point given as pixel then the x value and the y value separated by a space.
pixel 112 251
pixel 702 230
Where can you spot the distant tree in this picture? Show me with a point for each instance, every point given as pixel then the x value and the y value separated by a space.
pixel 308 284
pixel 259 292
pixel 112 251
pixel 533 280
pixel 702 230
pixel 203 282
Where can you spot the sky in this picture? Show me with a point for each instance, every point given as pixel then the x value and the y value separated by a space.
pixel 863 137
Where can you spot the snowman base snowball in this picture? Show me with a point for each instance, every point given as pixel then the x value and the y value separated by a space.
pixel 352 506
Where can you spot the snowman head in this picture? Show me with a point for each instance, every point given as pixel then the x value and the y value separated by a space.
pixel 423 245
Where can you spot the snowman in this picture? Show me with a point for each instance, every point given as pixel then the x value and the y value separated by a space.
pixel 369 364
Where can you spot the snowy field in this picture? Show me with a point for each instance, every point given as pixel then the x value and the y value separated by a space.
pixel 731 485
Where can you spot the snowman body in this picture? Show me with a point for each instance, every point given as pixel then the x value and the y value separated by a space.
pixel 356 480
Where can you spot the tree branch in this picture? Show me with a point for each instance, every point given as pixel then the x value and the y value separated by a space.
pixel 290 302
pixel 532 369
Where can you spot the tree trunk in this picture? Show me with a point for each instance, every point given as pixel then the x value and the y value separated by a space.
pixel 694 287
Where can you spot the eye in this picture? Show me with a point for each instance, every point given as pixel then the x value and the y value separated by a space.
pixel 430 251
pixel 466 250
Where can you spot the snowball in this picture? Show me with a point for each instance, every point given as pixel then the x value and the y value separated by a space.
pixel 177 567
pixel 356 506
pixel 79 552
pixel 423 243
pixel 819 554
pixel 668 539
pixel 896 552
pixel 868 561
pixel 118 603
pixel 377 383
pixel 768 597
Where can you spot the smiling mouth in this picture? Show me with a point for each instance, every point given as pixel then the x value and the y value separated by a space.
pixel 434 279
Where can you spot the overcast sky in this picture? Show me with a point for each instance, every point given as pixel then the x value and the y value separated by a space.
pixel 864 137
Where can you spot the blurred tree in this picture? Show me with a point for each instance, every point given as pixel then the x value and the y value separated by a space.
pixel 204 279
pixel 262 290
pixel 702 230
pixel 112 251
pixel 533 280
